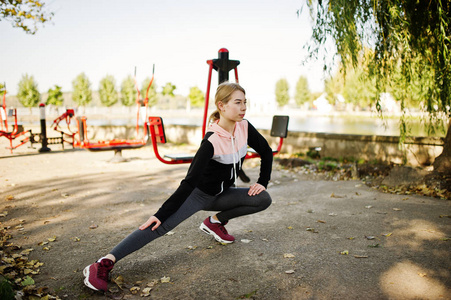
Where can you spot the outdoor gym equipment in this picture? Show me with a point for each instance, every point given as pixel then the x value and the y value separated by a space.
pixel 80 137
pixel 222 65
pixel 68 115
pixel 17 130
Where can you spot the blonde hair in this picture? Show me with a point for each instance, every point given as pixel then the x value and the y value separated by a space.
pixel 223 94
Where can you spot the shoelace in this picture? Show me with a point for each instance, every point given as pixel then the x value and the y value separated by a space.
pixel 222 228
pixel 102 271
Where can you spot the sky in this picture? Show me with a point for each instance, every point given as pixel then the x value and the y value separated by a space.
pixel 112 37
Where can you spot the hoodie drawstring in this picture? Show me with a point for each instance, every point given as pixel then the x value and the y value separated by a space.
pixel 233 154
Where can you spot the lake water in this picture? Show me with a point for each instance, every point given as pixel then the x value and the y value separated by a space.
pixel 362 125
pixel 340 123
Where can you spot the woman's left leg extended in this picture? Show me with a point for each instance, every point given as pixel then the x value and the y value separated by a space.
pixel 236 202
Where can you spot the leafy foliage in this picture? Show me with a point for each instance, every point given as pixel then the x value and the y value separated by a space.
pixel 282 96
pixel 354 84
pixel 196 97
pixel 370 173
pixel 302 94
pixel 128 91
pixel 25 14
pixel 27 92
pixel 17 270
pixel 408 37
pixel 55 96
pixel 107 91
pixel 82 94
pixel 2 89
pixel 168 89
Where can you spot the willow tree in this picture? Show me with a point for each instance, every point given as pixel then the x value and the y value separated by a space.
pixel 410 38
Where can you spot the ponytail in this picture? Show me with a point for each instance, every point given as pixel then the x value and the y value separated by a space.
pixel 214 117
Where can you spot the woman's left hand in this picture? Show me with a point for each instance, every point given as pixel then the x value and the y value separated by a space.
pixel 256 189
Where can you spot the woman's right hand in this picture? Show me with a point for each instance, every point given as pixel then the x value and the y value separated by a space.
pixel 149 222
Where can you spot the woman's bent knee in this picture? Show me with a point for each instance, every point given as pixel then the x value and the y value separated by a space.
pixel 265 200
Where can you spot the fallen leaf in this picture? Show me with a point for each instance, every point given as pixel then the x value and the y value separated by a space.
pixel 246 241
pixel 288 255
pixel 336 196
pixel 152 283
pixel 27 281
pixel 93 226
pixel 26 251
pixel 397 209
pixel 444 216
pixel 345 252
pixel 9 198
pixel 119 281
pixel 422 274
pixel 370 237
pixel 289 272
pixel 134 290
pixel 289 227
pixel 351 238
pixel 27 271
pixel 52 239
pixel 374 246
pixel 388 234
pixel 321 221
pixel 146 292
pixel 165 279
pixel 368 206
pixel 311 230
pixel 333 214
pixel 170 233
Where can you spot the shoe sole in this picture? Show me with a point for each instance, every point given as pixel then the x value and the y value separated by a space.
pixel 86 281
pixel 207 230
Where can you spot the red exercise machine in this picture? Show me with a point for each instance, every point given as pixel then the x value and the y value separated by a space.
pixel 17 130
pixel 222 65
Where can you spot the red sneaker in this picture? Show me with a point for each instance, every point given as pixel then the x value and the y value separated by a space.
pixel 217 230
pixel 96 275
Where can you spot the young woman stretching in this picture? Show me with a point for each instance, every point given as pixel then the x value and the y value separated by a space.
pixel 208 185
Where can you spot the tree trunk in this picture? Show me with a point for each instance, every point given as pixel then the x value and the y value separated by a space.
pixel 442 163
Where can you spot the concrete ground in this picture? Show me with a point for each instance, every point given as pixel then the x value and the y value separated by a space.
pixel 318 240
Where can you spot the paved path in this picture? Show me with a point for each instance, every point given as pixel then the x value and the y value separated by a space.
pixel 318 240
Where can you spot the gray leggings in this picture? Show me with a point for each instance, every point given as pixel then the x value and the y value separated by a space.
pixel 234 202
